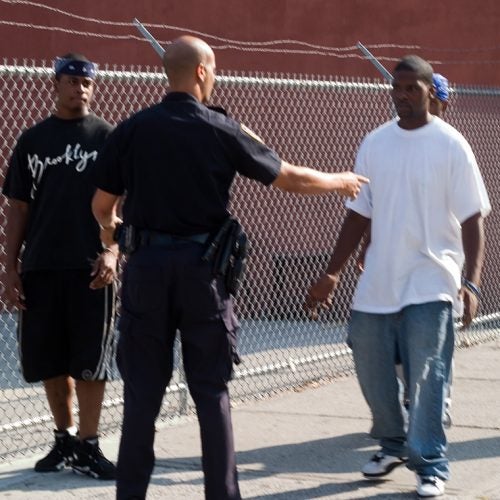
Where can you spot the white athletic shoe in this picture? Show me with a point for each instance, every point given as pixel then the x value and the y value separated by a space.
pixel 429 486
pixel 381 464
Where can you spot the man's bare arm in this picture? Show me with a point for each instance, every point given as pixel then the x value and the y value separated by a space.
pixel 17 221
pixel 321 292
pixel 473 245
pixel 305 180
pixel 104 208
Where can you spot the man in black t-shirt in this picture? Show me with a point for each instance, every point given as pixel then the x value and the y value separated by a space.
pixel 62 285
pixel 176 161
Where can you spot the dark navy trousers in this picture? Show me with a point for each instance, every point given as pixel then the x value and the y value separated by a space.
pixel 165 289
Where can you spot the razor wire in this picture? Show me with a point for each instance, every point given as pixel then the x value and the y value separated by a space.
pixel 318 122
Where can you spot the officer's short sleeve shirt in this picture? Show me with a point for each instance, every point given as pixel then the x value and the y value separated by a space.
pixel 176 162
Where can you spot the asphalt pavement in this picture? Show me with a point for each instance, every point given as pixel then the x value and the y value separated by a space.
pixel 306 444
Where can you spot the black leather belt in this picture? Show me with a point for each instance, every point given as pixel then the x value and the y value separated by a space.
pixel 155 238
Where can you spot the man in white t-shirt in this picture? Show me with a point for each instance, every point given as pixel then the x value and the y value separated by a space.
pixel 437 107
pixel 426 201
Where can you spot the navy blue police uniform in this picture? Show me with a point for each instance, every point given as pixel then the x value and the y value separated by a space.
pixel 176 161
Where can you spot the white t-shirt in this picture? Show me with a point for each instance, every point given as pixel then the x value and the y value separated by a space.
pixel 423 184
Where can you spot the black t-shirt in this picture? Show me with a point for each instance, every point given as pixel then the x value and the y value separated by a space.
pixel 50 169
pixel 176 162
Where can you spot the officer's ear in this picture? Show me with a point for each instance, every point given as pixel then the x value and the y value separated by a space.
pixel 201 72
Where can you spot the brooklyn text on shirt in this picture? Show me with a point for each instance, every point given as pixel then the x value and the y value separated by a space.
pixel 71 155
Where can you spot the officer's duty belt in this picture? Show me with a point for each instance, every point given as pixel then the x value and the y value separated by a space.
pixel 155 238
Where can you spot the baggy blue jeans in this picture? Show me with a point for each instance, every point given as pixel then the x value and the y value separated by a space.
pixel 423 335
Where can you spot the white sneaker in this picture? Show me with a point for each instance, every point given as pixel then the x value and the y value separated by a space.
pixel 429 486
pixel 381 465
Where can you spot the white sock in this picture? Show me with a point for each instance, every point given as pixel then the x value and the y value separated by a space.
pixel 72 431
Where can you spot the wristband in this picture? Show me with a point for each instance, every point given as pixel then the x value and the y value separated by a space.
pixel 471 287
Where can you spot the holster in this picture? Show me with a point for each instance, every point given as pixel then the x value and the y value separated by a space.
pixel 227 252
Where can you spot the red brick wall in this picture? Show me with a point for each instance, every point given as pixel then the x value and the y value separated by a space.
pixel 458 26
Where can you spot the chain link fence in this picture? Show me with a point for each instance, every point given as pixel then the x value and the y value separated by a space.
pixel 317 122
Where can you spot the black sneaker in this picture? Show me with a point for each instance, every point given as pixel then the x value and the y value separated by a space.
pixel 60 455
pixel 90 461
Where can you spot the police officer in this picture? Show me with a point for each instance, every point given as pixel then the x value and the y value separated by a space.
pixel 176 161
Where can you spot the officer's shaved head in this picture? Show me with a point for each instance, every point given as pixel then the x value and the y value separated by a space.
pixel 190 66
pixel 183 56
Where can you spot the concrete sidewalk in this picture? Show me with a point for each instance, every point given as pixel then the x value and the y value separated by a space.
pixel 307 445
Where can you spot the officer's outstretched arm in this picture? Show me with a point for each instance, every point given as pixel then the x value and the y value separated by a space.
pixel 104 208
pixel 305 180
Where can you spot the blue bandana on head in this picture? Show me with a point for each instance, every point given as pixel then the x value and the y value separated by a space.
pixel 75 68
pixel 441 86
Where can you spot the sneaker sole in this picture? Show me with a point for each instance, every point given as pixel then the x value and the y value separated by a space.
pixel 387 471
pixel 56 468
pixel 440 495
pixel 85 471
pixel 53 469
